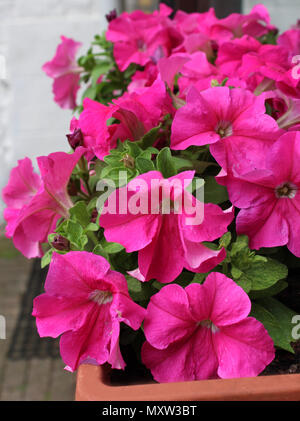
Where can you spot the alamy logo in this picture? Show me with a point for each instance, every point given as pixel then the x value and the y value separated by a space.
pixel 296 329
pixel 296 69
pixel 160 196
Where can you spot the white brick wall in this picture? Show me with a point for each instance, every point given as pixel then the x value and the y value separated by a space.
pixel 284 13
pixel 31 124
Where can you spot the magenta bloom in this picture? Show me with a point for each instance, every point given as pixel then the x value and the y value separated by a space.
pixel 290 40
pixel 137 113
pixel 85 302
pixel 203 332
pixel 192 23
pixel 230 120
pixel 150 230
pixel 269 196
pixel 22 186
pixel 30 224
pixel 231 53
pixel 143 78
pixel 138 36
pixel 285 110
pixel 64 71
pixel 198 72
pixel 255 24
pixel 269 61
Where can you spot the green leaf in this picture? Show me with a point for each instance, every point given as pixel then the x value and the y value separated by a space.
pixel 132 148
pixel 113 160
pixel 74 233
pixel 240 246
pixel 214 192
pixel 111 248
pixel 252 271
pixel 82 242
pixel 268 292
pixel 241 279
pixel 100 252
pixel 137 290
pixel 165 164
pixel 144 165
pixel 277 319
pixel 90 92
pixel 80 214
pixel 120 176
pixel 149 138
pixel 182 163
pixel 92 204
pixel 100 69
pixel 92 227
pixel 225 240
pixel 264 274
pixel 157 285
pixel 199 278
pixel 46 259
pixel 236 273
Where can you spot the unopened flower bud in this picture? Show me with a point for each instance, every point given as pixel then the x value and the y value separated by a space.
pixel 75 139
pixel 111 15
pixel 94 216
pixel 61 243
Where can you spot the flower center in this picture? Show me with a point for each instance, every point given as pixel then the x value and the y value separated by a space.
pixel 224 128
pixel 101 297
pixel 286 189
pixel 141 45
pixel 209 325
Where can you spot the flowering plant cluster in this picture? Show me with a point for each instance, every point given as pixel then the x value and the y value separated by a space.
pixel 170 226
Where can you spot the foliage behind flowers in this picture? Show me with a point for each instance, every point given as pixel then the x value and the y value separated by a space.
pixel 166 104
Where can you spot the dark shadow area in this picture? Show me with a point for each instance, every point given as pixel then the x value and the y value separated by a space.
pixel 26 343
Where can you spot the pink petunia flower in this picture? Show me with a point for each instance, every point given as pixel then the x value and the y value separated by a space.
pixel 197 72
pixel 271 67
pixel 290 40
pixel 285 110
pixel 137 113
pixel 193 23
pixel 22 186
pixel 30 226
pixel 150 228
pixel 269 196
pixel 231 53
pixel 203 332
pixel 65 72
pixel 197 42
pixel 229 120
pixel 270 62
pixel 138 35
pixel 255 24
pixel 143 78
pixel 85 302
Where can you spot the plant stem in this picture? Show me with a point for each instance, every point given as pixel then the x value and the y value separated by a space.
pixel 92 236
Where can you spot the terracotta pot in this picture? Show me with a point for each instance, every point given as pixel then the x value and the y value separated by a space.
pixel 93 385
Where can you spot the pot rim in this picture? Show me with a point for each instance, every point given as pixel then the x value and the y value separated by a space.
pixel 93 385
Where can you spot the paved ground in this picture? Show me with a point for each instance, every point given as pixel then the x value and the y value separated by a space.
pixel 35 379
